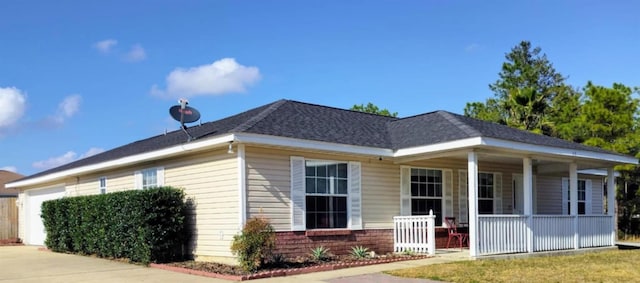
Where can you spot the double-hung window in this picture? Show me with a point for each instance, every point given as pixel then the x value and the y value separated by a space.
pixel 103 185
pixel 325 194
pixel 426 192
pixel 326 185
pixel 485 193
pixel 149 178
pixel 582 197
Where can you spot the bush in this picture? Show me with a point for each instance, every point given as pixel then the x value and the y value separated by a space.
pixel 254 244
pixel 141 225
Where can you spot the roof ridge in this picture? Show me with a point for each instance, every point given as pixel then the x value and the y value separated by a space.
pixel 464 127
pixel 257 118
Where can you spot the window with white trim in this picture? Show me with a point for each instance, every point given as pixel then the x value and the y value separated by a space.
pixel 485 193
pixel 325 194
pixel 103 185
pixel 582 197
pixel 426 192
pixel 149 178
pixel 326 188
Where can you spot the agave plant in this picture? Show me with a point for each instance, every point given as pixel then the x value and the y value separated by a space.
pixel 320 254
pixel 360 252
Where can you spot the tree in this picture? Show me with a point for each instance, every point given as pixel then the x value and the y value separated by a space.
pixel 524 93
pixel 608 118
pixel 373 109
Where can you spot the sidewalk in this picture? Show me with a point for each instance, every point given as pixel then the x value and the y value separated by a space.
pixel 371 273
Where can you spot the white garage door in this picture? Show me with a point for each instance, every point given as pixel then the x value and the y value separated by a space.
pixel 35 233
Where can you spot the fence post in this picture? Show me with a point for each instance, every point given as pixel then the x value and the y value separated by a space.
pixel 431 233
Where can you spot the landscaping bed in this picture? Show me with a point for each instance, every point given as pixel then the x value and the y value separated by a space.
pixel 284 268
pixel 11 242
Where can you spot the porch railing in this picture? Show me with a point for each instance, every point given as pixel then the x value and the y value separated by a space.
pixel 414 233
pixel 500 234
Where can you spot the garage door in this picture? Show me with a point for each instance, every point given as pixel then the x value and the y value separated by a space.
pixel 35 233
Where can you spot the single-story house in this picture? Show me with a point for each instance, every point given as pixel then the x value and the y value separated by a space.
pixel 337 178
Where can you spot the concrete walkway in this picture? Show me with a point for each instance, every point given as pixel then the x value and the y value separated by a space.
pixel 27 264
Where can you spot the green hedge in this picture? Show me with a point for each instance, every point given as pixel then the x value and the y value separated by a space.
pixel 141 225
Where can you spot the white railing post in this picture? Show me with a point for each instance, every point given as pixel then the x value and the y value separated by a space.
pixel 573 203
pixel 611 203
pixel 431 233
pixel 527 178
pixel 472 183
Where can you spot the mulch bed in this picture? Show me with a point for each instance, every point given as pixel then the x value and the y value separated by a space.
pixel 288 268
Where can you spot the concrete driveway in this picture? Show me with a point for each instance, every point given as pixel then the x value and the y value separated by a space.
pixel 27 264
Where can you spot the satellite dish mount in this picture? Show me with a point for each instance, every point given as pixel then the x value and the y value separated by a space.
pixel 184 114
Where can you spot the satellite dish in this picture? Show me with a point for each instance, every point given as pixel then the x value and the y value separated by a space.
pixel 184 115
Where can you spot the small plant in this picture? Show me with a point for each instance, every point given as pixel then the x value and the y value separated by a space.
pixel 360 252
pixel 320 254
pixel 254 244
pixel 408 252
pixel 278 259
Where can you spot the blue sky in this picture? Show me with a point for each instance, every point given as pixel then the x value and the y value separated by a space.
pixel 81 77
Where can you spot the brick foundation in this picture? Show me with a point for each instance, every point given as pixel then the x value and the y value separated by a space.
pixel 339 242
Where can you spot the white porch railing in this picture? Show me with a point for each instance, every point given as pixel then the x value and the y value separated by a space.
pixel 414 233
pixel 500 234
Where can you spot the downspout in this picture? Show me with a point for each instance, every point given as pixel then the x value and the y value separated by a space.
pixel 242 186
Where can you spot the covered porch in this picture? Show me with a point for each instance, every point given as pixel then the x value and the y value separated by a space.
pixel 570 220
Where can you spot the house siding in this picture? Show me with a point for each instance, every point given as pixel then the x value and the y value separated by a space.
pixel 269 186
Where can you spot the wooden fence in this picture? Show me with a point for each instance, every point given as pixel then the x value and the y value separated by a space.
pixel 8 218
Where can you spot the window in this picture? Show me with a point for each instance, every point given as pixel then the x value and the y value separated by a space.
pixel 103 185
pixel 149 178
pixel 582 197
pixel 426 192
pixel 485 193
pixel 326 194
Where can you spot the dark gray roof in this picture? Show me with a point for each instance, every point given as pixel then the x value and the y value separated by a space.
pixel 286 118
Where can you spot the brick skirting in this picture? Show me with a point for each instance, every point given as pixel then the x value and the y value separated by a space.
pixel 339 242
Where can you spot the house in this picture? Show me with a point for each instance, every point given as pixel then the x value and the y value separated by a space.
pixel 337 178
pixel 6 177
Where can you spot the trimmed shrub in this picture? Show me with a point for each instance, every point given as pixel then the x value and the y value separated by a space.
pixel 254 244
pixel 141 225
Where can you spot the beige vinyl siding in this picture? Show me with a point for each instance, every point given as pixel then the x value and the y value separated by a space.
pixel 209 178
pixel 269 185
pixel 549 194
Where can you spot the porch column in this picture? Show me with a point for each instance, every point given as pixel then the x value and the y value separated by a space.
pixel 472 169
pixel 611 203
pixel 527 177
pixel 573 203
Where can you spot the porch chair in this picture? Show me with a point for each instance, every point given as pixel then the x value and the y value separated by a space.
pixel 452 228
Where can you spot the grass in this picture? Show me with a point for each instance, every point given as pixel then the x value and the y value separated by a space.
pixel 605 266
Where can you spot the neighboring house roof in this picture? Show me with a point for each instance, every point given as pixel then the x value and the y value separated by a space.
pixel 6 177
pixel 304 121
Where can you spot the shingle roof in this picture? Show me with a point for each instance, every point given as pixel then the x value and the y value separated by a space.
pixel 287 118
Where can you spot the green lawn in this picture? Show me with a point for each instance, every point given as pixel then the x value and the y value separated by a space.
pixel 605 266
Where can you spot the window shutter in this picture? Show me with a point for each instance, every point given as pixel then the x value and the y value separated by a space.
pixel 297 194
pixel 463 199
pixel 565 196
pixel 447 183
pixel 160 176
pixel 405 191
pixel 497 193
pixel 588 198
pixel 355 197
pixel 137 180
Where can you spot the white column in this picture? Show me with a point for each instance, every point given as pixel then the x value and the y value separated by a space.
pixel 573 195
pixel 527 177
pixel 242 188
pixel 472 169
pixel 611 203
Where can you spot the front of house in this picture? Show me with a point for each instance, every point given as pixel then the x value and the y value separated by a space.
pixel 337 178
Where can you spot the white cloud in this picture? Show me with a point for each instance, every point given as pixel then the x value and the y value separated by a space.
pixel 105 45
pixel 92 151
pixel 10 169
pixel 69 156
pixel 472 47
pixel 67 108
pixel 12 106
pixel 55 161
pixel 220 77
pixel 136 54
